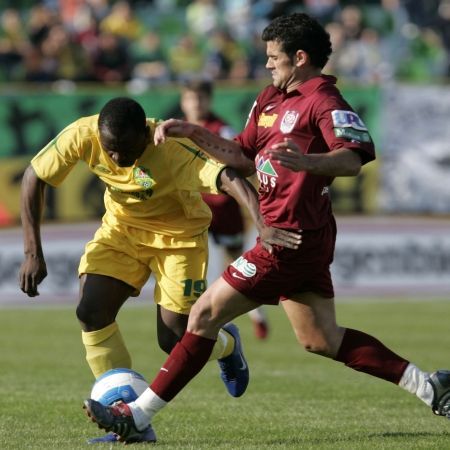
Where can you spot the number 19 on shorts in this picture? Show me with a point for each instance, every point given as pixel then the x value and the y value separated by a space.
pixel 194 287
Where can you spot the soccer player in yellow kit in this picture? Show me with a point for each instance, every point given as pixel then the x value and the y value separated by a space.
pixel 155 222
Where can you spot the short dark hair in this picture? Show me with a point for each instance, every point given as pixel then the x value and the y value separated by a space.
pixel 299 31
pixel 122 115
pixel 199 86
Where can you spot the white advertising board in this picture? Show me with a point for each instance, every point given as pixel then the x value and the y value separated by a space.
pixel 415 151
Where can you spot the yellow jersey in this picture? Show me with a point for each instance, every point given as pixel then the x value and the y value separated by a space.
pixel 159 193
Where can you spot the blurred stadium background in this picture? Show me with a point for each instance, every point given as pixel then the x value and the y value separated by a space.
pixel 63 59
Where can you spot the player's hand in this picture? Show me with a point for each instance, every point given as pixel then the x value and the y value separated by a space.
pixel 276 236
pixel 288 155
pixel 172 128
pixel 32 272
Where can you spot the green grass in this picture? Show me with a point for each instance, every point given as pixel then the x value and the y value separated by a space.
pixel 294 401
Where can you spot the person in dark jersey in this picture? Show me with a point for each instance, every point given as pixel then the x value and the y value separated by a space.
pixel 300 135
pixel 227 228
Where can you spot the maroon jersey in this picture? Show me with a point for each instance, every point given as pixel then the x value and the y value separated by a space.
pixel 318 120
pixel 226 213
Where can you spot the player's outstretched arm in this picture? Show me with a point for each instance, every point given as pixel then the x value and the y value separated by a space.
pixel 33 269
pixel 245 194
pixel 226 151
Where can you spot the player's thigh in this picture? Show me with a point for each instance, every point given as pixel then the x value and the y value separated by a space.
pixel 221 303
pixel 115 253
pixel 101 298
pixel 180 275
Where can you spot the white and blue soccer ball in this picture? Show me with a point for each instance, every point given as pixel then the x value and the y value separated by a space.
pixel 118 384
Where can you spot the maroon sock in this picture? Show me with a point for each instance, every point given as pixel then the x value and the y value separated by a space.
pixel 185 361
pixel 364 353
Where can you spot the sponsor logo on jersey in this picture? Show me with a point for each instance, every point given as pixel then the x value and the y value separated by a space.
pixel 267 120
pixel 288 121
pixel 348 125
pixel 142 177
pixel 266 173
pixel 269 107
pixel 247 269
pixel 265 166
pixel 344 119
pixel 235 275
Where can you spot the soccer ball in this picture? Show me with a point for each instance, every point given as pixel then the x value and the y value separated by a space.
pixel 118 384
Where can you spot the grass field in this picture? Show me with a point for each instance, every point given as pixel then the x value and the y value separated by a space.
pixel 294 400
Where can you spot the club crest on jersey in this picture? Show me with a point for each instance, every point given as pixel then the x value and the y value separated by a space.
pixel 142 177
pixel 288 121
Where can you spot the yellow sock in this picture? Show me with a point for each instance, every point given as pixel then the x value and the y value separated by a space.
pixel 105 349
pixel 224 345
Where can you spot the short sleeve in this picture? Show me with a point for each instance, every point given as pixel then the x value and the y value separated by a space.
pixel 341 127
pixel 191 169
pixel 55 161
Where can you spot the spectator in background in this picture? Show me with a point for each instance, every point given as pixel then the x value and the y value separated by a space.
pixel 224 57
pixel 148 61
pixel 427 60
pixel 227 224
pixel 122 22
pixel 351 18
pixel 239 19
pixel 324 11
pixel 359 61
pixel 185 59
pixel 257 59
pixel 39 22
pixel 63 59
pixel 83 27
pixel 202 17
pixel 13 44
pixel 111 61
pixel 402 38
pixel 35 69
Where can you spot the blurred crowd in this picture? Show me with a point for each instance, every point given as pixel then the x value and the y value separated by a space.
pixel 146 43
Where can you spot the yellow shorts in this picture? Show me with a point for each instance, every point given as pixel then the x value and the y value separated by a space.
pixel 131 255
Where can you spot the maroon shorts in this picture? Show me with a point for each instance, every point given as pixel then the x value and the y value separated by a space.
pixel 268 278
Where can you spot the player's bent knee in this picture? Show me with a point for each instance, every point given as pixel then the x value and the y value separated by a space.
pixel 92 319
pixel 201 320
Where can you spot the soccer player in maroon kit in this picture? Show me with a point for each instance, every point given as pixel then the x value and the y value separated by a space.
pixel 227 224
pixel 301 134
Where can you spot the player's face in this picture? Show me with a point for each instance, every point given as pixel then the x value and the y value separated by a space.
pixel 126 150
pixel 195 105
pixel 281 66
